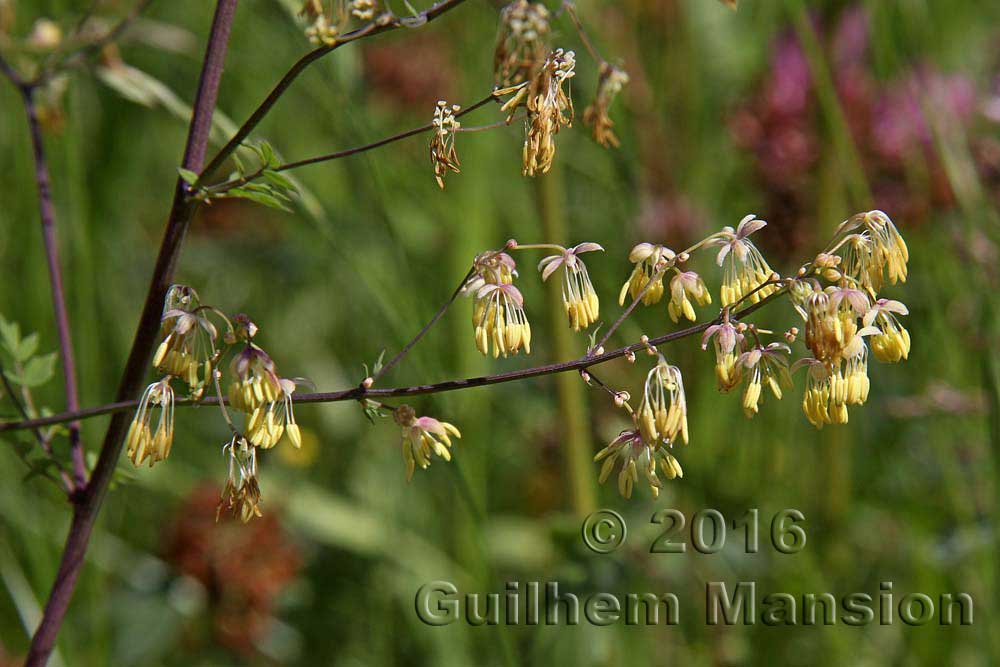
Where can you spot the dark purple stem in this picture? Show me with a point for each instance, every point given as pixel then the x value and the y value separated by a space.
pixel 48 218
pixel 359 393
pixel 628 311
pixel 88 503
pixel 427 327
pixel 384 23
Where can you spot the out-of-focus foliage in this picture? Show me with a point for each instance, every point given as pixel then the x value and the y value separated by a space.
pixel 801 112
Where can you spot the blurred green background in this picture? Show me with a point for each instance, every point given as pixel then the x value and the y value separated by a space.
pixel 801 112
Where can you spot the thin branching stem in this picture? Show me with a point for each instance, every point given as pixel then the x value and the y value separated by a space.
pixel 222 188
pixel 87 502
pixel 12 74
pixel 47 215
pixel 76 57
pixel 383 23
pixel 67 482
pixel 656 275
pixel 361 393
pixel 570 8
pixel 427 327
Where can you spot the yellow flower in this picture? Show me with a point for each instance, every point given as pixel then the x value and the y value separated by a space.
pixel 650 262
pixel 744 268
pixel 892 343
pixel 816 403
pixel 549 109
pixel 685 286
pixel 141 442
pixel 423 436
pixel 662 414
pixel 363 9
pixel 493 267
pixel 635 455
pixel 725 339
pixel 766 366
pixel 832 321
pixel 498 317
pixel 265 426
pixel 188 349
pixel 874 251
pixel 256 381
pixel 579 298
pixel 831 387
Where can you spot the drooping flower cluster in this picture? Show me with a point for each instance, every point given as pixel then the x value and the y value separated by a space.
pixel 521 42
pixel 143 442
pixel 766 366
pixel 578 295
pixel 745 271
pixel 534 76
pixel 651 261
pixel 610 82
pixel 892 342
pixel 685 286
pixel 421 437
pixel 549 108
pixel 188 352
pixel 651 265
pixel 658 424
pixel 842 319
pixel 443 154
pixel 662 414
pixel 873 251
pixel 255 381
pixel 839 317
pixel 326 25
pixel 725 338
pixel 268 423
pixel 498 317
pixel 633 454
pixel 188 349
pixel 241 495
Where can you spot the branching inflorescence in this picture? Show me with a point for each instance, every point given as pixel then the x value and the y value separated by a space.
pixel 836 294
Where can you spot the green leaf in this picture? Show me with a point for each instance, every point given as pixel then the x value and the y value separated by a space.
pixel 40 467
pixel 593 336
pixel 378 362
pixel 373 411
pixel 240 168
pixel 189 176
pixel 267 156
pixel 26 349
pixel 266 198
pixel 37 371
pixel 10 332
pixel 279 180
